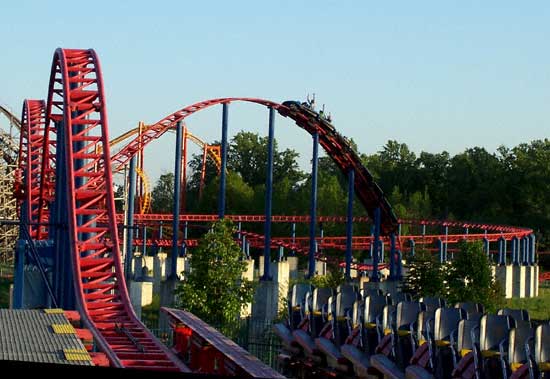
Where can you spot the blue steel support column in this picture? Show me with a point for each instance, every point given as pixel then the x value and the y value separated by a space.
pixel 19 280
pixel 526 242
pixel 413 245
pixel 504 252
pixel 521 251
pixel 144 245
pixel 399 266
pixel 515 251
pixel 269 196
pixel 349 225
pixel 59 226
pixel 446 242
pixel 176 207
pixel 185 233
pixel 130 219
pixel 392 257
pixel 441 247
pixel 501 243
pixel 486 246
pixel 371 247
pixel 313 208
pixel 532 259
pixel 221 196
pixel 375 277
pixel 293 235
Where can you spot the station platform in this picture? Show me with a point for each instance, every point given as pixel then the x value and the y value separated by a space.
pixel 42 336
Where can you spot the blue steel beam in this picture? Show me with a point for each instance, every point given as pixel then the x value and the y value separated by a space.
pixel 393 268
pixel 313 207
pixel 176 206
pixel 221 196
pixel 269 196
pixel 375 276
pixel 349 225
pixel 130 219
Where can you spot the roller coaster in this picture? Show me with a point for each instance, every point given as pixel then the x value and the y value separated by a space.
pixel 67 213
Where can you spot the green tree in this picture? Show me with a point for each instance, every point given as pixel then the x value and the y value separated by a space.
pixel 214 290
pixel 163 194
pixel 426 276
pixel 248 157
pixel 470 277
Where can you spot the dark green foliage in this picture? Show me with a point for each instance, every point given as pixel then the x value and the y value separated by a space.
pixel 214 289
pixel 425 276
pixel 332 279
pixel 469 278
pixel 163 194
pixel 511 186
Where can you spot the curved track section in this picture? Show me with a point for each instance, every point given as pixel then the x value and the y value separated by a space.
pixel 196 140
pixel 335 145
pixel 33 121
pixel 76 103
pixel 11 117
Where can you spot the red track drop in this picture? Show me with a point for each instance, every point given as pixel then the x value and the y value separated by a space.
pixel 33 122
pixel 77 103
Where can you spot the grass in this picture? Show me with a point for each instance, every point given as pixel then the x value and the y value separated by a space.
pixel 538 307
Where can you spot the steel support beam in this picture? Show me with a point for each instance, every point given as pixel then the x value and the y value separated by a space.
pixel 313 206
pixel 269 197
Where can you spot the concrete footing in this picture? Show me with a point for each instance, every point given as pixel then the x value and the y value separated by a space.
pixel 248 275
pixel 517 281
pixel 141 294
pixel 293 267
pixel 271 295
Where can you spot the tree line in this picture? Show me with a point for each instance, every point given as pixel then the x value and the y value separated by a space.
pixel 510 186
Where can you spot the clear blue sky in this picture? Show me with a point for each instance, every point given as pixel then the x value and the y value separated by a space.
pixel 437 75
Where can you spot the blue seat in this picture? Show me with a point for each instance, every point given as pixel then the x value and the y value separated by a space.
pixel 514 354
pixel 516 314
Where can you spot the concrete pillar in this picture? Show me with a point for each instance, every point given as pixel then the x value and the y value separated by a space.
pixel 362 280
pixel 248 275
pixel 167 298
pixel 320 267
pixel 11 296
pixel 505 276
pixel 518 281
pixel 182 265
pixel 159 271
pixel 293 267
pixel 141 294
pixel 261 265
pixel 354 273
pixel 389 286
pixel 270 295
pixel 536 281
pixel 529 285
pixel 137 264
pixel 280 275
pixel 264 306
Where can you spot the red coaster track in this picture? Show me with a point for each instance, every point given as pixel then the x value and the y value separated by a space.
pixel 335 145
pixel 76 104
pixel 33 121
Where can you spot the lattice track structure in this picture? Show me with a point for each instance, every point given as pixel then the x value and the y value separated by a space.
pixel 8 204
pixel 76 124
